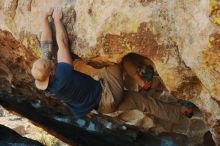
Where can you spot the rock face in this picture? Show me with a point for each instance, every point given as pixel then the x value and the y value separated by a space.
pixel 10 138
pixel 24 128
pixel 177 36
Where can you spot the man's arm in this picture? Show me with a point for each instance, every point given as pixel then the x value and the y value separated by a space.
pixel 46 40
pixel 63 54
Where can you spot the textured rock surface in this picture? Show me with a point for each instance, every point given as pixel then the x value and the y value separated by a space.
pixel 26 129
pixel 11 138
pixel 174 35
pixel 177 36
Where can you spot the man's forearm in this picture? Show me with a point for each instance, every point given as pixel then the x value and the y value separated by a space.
pixel 63 54
pixel 61 35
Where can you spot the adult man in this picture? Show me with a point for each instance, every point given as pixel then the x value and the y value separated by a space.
pixel 80 92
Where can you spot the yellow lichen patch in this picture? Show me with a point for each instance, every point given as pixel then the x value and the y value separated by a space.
pixel 120 23
pixel 120 17
pixel 216 20
pixel 211 64
pixel 212 55
pixel 215 11
pixel 37 52
pixel 134 26
pixel 107 27
pixel 110 23
pixel 210 45
pixel 10 24
pixel 31 43
pixel 129 47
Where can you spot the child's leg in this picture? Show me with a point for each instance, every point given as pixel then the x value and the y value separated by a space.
pixel 134 100
pixel 132 70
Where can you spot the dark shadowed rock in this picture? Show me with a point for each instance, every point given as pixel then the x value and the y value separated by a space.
pixel 9 137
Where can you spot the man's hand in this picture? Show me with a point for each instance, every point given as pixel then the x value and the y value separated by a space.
pixel 57 14
pixel 49 12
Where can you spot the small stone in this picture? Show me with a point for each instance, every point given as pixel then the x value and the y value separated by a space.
pixel 63 119
pixel 36 104
pixel 81 122
pixel 108 125
pixel 124 128
pixel 91 127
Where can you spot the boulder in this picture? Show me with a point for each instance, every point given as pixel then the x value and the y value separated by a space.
pixel 180 38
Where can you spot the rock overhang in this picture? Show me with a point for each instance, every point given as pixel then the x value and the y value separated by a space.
pixel 177 36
